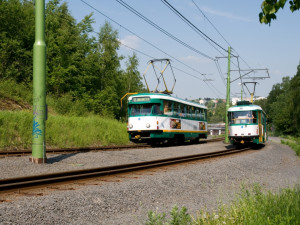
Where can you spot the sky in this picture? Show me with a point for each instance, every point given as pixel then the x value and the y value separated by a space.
pixel 202 71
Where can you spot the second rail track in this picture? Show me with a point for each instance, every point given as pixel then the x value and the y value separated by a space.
pixel 53 178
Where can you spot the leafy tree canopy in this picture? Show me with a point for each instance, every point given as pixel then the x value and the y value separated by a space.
pixel 271 7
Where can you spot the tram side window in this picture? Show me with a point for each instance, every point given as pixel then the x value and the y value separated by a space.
pixel 254 117
pixel 193 112
pixel 175 109
pixel 188 111
pixel 156 109
pixel 181 110
pixel 202 115
pixel 197 113
pixel 168 108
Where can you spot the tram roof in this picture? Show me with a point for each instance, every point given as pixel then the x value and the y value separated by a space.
pixel 244 108
pixel 166 97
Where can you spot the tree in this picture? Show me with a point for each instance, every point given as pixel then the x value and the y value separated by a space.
pixel 295 102
pixel 16 40
pixel 271 7
pixel 283 105
pixel 108 81
pixel 131 80
pixel 132 77
pixel 63 43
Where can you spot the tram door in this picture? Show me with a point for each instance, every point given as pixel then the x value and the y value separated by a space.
pixel 260 126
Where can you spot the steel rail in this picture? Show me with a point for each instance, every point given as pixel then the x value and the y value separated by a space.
pixel 30 181
pixel 69 150
pixel 88 149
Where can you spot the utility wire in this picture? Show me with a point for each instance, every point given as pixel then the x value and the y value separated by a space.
pixel 201 33
pixel 162 30
pixel 157 48
pixel 151 57
pixel 211 23
pixel 220 72
pixel 97 10
pixel 219 33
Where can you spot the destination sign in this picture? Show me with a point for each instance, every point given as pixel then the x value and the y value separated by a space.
pixel 141 99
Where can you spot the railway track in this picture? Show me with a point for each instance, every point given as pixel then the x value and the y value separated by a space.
pixel 87 149
pixel 70 176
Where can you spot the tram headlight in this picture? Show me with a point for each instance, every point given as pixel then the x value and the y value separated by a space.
pixel 130 126
pixel 148 125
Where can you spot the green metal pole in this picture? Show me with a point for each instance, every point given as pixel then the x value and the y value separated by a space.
pixel 39 86
pixel 242 92
pixel 227 98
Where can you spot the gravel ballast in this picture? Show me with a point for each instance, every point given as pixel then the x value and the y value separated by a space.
pixel 198 185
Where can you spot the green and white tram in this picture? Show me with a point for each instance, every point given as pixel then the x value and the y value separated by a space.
pixel 156 118
pixel 247 123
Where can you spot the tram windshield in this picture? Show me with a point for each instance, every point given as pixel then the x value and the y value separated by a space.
pixel 145 109
pixel 242 117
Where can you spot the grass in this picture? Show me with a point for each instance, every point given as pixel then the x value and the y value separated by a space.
pixel 61 131
pixel 293 142
pixel 251 207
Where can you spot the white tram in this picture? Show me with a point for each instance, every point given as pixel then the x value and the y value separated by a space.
pixel 156 118
pixel 247 123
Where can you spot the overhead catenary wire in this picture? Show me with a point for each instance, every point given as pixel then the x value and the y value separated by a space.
pixel 152 45
pixel 211 87
pixel 211 23
pixel 195 28
pixel 163 30
pixel 238 56
pixel 201 33
pixel 151 57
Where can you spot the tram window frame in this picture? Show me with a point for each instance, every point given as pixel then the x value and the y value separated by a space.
pixel 139 106
pixel 168 108
pixel 243 117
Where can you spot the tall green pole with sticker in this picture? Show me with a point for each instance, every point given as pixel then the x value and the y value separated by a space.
pixel 227 98
pixel 39 86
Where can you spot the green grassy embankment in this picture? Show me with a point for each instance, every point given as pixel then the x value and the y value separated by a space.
pixel 61 131
pixel 69 123
pixel 293 142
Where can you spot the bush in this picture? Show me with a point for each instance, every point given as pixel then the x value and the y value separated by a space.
pixel 18 92
pixel 65 105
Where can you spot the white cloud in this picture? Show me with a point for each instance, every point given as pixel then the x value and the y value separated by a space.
pixel 225 14
pixel 131 41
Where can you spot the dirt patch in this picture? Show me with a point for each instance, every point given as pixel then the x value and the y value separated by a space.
pixel 11 104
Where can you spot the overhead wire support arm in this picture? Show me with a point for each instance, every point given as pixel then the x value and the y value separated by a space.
pixel 250 71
